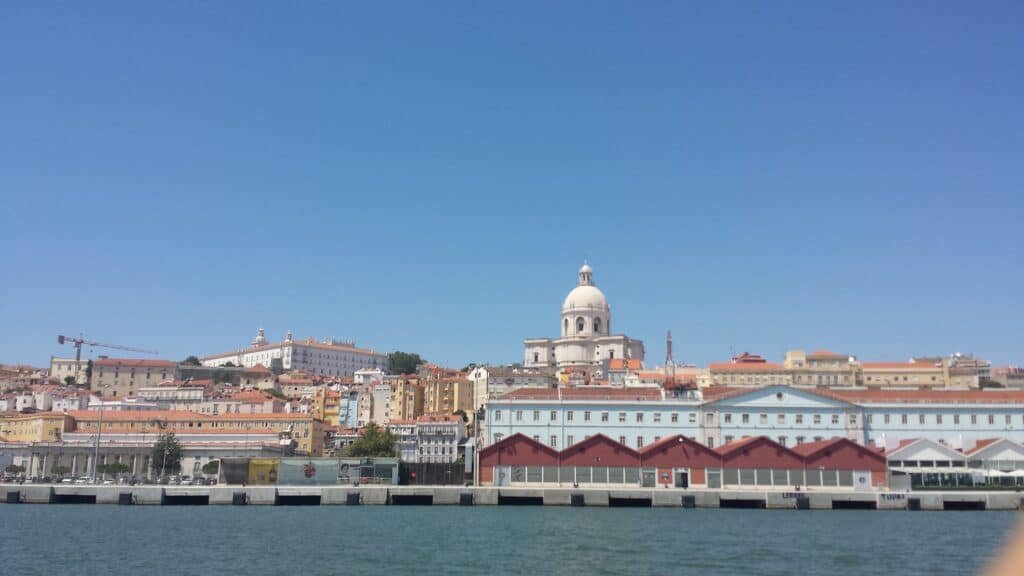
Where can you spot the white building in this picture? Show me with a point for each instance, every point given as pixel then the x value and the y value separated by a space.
pixel 61 368
pixel 493 381
pixel 586 332
pixel 429 438
pixel 368 376
pixel 328 357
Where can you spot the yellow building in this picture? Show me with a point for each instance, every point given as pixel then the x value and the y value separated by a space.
pixel 307 431
pixel 123 377
pixel 821 368
pixel 325 405
pixel 447 395
pixel 36 427
pixel 903 374
pixel 407 398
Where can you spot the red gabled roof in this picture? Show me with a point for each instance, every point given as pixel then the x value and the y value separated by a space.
pixel 508 445
pixel 732 448
pixel 686 447
pixel 982 444
pixel 608 451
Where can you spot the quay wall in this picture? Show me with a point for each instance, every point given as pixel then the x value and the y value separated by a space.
pixel 13 494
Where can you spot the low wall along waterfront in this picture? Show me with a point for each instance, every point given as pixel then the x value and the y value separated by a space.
pixel 312 494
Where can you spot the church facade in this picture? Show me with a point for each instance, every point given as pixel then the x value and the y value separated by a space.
pixel 586 328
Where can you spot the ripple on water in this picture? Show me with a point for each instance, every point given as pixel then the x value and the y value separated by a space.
pixel 491 540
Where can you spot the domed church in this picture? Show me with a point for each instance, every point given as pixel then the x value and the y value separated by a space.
pixel 586 326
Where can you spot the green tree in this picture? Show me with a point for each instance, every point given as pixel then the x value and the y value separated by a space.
pixel 374 441
pixel 277 366
pixel 403 362
pixel 113 468
pixel 191 361
pixel 461 412
pixel 228 364
pixel 60 470
pixel 167 454
pixel 276 393
pixel 69 380
pixel 14 469
pixel 211 467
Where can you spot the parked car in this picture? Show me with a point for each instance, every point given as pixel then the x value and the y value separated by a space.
pixel 67 480
pixel 82 480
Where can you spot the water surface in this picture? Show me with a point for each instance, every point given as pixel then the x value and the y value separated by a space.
pixel 123 540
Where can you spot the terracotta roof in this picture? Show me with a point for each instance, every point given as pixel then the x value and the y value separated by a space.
pixel 824 354
pixel 583 393
pixel 251 397
pixel 625 364
pixel 672 441
pixel 651 375
pixel 598 439
pixel 808 448
pixel 899 366
pixel 308 343
pixel 257 369
pixel 427 418
pixel 137 415
pixel 987 396
pixel 752 367
pixel 134 363
pixel 736 444
pixel 983 443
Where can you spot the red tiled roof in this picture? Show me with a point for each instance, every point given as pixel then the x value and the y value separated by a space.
pixel 824 354
pixel 751 367
pixel 257 369
pixel 987 396
pixel 736 444
pixel 251 397
pixel 899 366
pixel 134 363
pixel 625 364
pixel 583 393
pixel 983 443
pixel 809 448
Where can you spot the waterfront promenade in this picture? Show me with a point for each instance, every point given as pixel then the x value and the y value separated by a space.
pixel 503 496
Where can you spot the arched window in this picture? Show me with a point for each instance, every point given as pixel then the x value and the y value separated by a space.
pixel 597 325
pixel 565 329
pixel 580 325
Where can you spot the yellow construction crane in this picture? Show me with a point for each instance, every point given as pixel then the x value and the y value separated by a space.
pixel 77 343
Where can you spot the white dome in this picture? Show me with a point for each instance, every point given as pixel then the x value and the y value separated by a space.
pixel 586 268
pixel 585 297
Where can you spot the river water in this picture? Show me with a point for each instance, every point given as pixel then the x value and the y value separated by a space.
pixel 448 540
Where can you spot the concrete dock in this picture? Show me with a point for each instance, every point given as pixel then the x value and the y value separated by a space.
pixel 502 496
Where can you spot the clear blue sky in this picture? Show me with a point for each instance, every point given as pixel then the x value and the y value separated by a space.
pixel 429 176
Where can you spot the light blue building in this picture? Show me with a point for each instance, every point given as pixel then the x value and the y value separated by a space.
pixel 559 418
pixel 789 415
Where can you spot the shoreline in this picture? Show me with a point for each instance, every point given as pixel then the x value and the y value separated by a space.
pixel 502 496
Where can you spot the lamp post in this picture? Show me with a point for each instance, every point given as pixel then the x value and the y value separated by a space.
pixel 99 431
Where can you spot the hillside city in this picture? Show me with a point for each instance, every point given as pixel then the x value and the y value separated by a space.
pixel 111 418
